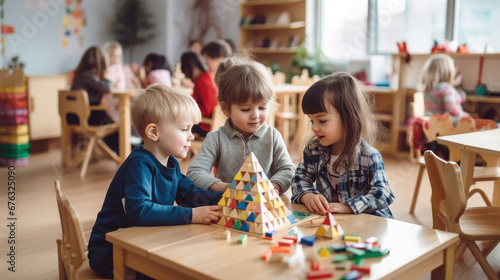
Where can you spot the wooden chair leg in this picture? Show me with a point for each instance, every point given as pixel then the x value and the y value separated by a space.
pixel 417 188
pixel 107 150
pixel 60 263
pixel 459 250
pixel 88 153
pixel 489 247
pixel 481 259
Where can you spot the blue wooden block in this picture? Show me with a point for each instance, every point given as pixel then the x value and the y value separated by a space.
pixel 308 240
pixel 352 275
pixel 251 217
pixel 244 227
pixel 242 205
pixel 291 219
pixel 271 234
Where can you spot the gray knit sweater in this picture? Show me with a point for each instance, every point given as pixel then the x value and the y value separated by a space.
pixel 227 147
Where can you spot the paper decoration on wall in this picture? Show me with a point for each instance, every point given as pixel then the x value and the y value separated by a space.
pixel 251 203
pixel 73 26
pixel 5 29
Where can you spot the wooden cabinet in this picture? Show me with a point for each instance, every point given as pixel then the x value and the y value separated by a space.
pixel 272 29
pixel 404 78
pixel 44 120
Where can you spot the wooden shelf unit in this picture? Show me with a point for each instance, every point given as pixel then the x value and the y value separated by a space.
pixel 251 35
pixel 404 78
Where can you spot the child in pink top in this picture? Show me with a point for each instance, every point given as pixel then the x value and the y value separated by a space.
pixel 156 70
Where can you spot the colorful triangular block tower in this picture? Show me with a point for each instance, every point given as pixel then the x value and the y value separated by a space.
pixel 330 228
pixel 255 206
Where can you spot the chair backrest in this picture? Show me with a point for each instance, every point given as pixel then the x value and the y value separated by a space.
pixel 74 102
pixel 73 243
pixel 59 195
pixel 218 118
pixel 448 197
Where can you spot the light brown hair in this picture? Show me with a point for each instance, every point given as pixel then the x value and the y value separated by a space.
pixel 159 103
pixel 344 93
pixel 439 68
pixel 92 59
pixel 240 79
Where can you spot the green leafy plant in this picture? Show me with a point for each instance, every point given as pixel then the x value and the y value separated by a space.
pixel 313 61
pixel 132 25
pixel 14 63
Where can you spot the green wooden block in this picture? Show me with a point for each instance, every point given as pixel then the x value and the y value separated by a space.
pixel 355 251
pixel 340 258
pixel 242 239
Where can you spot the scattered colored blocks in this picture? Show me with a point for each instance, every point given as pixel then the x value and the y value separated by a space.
pixel 267 254
pixel 351 237
pixel 286 242
pixel 308 240
pixel 319 274
pixel 355 251
pixel 271 234
pixel 281 249
pixel 352 275
pixel 314 266
pixel 242 239
pixel 294 238
pixel 323 252
pixel 339 258
pixel 338 248
pixel 361 269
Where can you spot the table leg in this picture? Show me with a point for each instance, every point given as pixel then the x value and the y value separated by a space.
pixel 118 263
pixel 496 193
pixel 468 160
pixel 125 126
pixel 446 270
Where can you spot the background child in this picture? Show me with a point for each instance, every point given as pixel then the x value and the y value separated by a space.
pixel 156 70
pixel 245 94
pixel 195 46
pixel 147 184
pixel 214 52
pixel 118 73
pixel 89 75
pixel 436 82
pixel 341 172
pixel 204 91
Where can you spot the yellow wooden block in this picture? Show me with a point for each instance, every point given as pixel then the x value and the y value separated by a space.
pixel 323 252
pixel 239 196
pixel 321 231
pixel 222 202
pixel 281 213
pixel 243 215
pixel 238 176
pixel 227 193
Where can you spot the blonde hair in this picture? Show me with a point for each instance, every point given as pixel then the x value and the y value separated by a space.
pixel 239 79
pixel 354 105
pixel 439 68
pixel 159 103
pixel 110 46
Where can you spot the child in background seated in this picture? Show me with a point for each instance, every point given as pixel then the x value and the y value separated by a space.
pixel 437 83
pixel 118 73
pixel 156 70
pixel 147 184
pixel 195 46
pixel 245 94
pixel 90 76
pixel 204 91
pixel 341 172
pixel 214 52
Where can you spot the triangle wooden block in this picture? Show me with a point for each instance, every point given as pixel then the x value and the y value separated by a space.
pixel 233 204
pixel 247 187
pixel 243 215
pixel 240 186
pixel 329 220
pixel 249 198
pixel 232 185
pixel 246 177
pixel 339 229
pixel 222 221
pixel 238 176
pixel 250 206
pixel 239 196
pixel 226 194
pixel 251 217
pixel 229 223
pixel 234 214
pixel 242 205
pixel 222 202
pixel 321 231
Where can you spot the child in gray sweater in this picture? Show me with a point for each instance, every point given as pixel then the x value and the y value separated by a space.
pixel 245 94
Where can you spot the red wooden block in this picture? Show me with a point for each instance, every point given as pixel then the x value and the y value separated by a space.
pixel 361 269
pixel 286 242
pixel 318 274
pixel 291 237
pixel 267 254
pixel 314 266
pixel 281 249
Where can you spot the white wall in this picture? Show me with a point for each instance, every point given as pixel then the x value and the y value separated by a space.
pixel 39 31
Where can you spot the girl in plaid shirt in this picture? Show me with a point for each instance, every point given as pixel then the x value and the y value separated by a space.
pixel 341 172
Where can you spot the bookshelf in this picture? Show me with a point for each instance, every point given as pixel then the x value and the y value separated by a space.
pixel 272 29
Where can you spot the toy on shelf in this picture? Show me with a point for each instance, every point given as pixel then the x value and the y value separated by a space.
pixel 251 203
pixel 403 48
pixel 480 87
pixel 330 228
pixel 463 49
pixel 443 47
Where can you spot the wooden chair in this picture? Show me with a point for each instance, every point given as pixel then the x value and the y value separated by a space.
pixel 437 125
pixel 217 120
pixel 71 248
pixel 75 102
pixel 450 212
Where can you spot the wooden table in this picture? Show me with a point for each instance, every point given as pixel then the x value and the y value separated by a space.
pixel 483 142
pixel 198 251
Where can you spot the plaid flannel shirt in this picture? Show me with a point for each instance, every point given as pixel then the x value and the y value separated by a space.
pixel 364 186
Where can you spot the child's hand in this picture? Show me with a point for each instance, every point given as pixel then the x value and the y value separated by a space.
pixel 206 214
pixel 219 186
pixel 315 203
pixel 277 187
pixel 341 208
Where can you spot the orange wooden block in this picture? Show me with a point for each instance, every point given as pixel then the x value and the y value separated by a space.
pixel 267 254
pixel 286 242
pixel 281 249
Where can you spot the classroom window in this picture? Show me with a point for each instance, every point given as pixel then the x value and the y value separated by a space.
pixel 344 29
pixel 477 24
